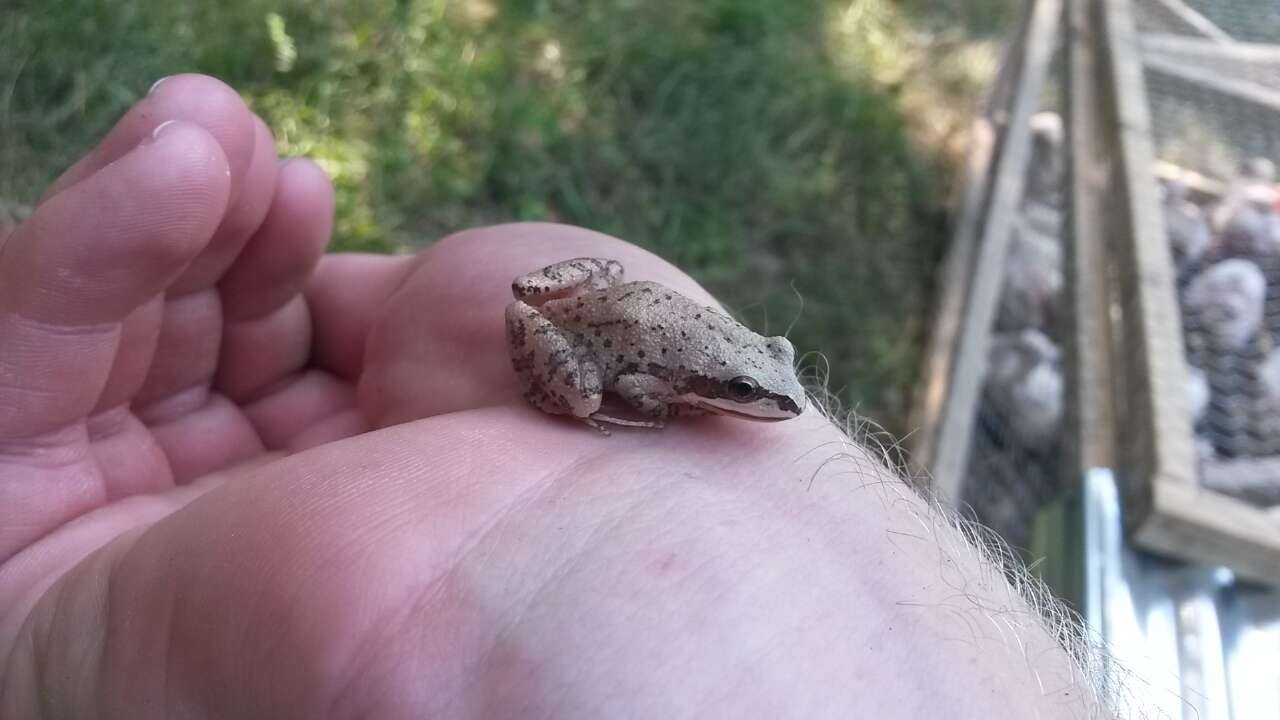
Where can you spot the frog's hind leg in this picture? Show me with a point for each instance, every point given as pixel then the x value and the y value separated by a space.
pixel 568 278
pixel 555 378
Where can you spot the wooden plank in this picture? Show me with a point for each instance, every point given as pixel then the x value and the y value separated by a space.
pixel 1204 526
pixel 956 276
pixel 1089 410
pixel 959 410
pixel 1193 21
pixel 954 286
pixel 1250 92
pixel 1192 48
pixel 1156 434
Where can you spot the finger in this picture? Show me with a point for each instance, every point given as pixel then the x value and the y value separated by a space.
pixel 197 99
pixel 276 264
pixel 267 335
pixel 440 346
pixel 198 430
pixel 346 296
pixel 205 435
pixel 139 334
pixel 87 259
pixel 245 141
pixel 186 354
pixel 244 216
pixel 304 403
pixel 185 358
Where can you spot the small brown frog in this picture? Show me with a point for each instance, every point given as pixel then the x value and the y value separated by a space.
pixel 577 331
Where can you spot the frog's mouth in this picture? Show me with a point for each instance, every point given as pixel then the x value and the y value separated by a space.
pixel 762 410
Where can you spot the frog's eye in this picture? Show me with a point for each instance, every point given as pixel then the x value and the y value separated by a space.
pixel 742 389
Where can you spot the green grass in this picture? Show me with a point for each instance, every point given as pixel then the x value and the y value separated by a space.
pixel 756 143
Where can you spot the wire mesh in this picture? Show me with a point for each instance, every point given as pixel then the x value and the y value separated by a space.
pixel 1016 455
pixel 1214 89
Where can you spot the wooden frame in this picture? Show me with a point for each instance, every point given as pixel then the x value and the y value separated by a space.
pixel 973 271
pixel 1166 507
pixel 955 277
pixel 1126 371
pixel 1089 412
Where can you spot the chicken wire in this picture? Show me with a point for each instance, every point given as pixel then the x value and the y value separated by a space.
pixel 1213 85
pixel 1016 458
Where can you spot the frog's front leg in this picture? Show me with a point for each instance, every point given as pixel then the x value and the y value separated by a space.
pixel 651 396
pixel 568 278
pixel 556 378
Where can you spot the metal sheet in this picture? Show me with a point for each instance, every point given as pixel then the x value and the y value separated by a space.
pixel 1185 641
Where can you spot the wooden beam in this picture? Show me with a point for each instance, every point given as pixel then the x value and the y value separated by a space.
pixel 960 409
pixel 956 276
pixel 1192 21
pixel 1193 523
pixel 1248 91
pixel 1193 47
pixel 1156 434
pixel 954 283
pixel 1090 413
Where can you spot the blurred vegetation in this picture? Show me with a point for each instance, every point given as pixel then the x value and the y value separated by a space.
pixel 773 148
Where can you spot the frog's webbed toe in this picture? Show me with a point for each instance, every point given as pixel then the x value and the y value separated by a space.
pixel 567 279
pixel 597 418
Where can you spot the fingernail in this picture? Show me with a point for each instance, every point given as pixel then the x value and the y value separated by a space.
pixel 162 128
pixel 156 84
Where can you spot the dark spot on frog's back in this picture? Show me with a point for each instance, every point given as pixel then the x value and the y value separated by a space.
pixel 658 371
pixel 516 333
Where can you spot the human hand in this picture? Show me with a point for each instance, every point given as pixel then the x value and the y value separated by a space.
pixel 198 516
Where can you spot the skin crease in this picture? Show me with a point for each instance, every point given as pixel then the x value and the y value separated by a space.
pixel 351 512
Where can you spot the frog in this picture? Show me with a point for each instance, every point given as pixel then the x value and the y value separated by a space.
pixel 578 332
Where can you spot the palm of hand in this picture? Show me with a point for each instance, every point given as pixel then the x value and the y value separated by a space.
pixel 201 337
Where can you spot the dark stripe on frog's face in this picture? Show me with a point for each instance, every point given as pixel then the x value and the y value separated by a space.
pixel 712 394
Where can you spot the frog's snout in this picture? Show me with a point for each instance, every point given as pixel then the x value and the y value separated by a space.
pixel 793 404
